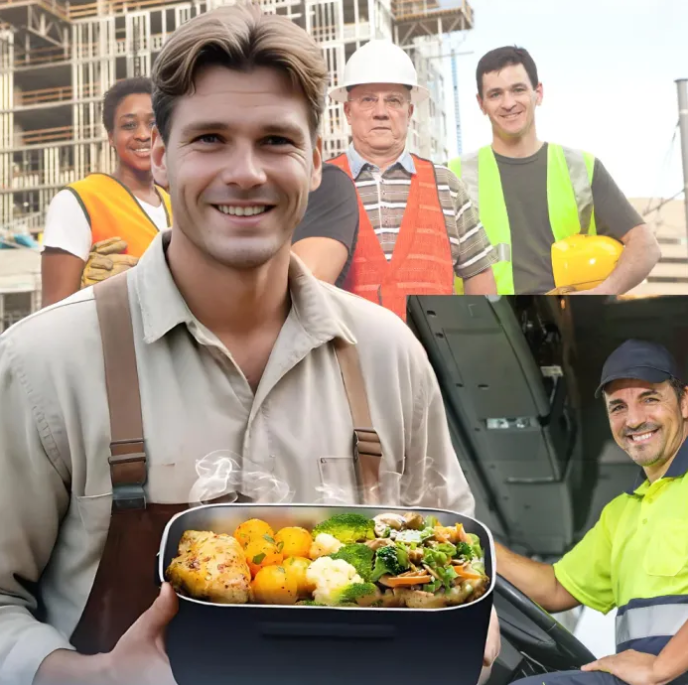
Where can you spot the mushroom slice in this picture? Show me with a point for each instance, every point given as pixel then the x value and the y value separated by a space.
pixel 385 521
pixel 413 520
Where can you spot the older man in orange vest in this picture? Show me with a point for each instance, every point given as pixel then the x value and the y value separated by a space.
pixel 417 227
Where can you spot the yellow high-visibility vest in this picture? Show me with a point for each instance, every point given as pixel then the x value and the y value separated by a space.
pixel 569 195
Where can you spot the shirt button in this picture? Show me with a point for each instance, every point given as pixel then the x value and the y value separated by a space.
pixel 644 521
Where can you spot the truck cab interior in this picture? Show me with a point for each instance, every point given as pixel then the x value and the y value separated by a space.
pixel 518 376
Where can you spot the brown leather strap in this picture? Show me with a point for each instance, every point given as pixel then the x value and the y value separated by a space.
pixel 367 445
pixel 127 450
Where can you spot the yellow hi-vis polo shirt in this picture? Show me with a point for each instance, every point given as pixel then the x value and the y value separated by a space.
pixel 636 558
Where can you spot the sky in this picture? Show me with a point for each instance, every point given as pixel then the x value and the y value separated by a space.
pixel 608 68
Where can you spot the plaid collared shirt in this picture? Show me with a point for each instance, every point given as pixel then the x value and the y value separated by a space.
pixel 384 196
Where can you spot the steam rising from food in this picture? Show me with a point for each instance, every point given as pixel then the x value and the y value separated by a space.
pixel 221 476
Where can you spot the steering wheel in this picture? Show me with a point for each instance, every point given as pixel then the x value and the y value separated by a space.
pixel 535 632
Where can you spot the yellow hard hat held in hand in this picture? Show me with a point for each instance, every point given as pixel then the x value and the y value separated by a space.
pixel 106 260
pixel 582 262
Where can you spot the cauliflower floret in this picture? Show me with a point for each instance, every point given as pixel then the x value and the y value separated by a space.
pixel 323 545
pixel 330 576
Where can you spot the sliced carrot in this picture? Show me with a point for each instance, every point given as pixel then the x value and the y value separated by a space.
pixel 400 581
pixel 463 573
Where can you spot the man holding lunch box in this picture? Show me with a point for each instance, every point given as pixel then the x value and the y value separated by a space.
pixel 219 339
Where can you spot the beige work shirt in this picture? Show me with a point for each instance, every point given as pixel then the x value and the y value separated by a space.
pixel 55 490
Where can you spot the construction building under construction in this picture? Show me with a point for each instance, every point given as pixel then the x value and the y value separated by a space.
pixel 58 57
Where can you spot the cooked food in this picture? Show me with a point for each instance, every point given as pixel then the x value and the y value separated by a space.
pixel 323 545
pixel 294 541
pixel 262 552
pixel 385 523
pixel 331 578
pixel 390 561
pixel 210 567
pixel 359 556
pixel 393 560
pixel 347 528
pixel 253 529
pixel 297 567
pixel 273 585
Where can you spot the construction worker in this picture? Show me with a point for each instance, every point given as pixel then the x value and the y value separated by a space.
pixel 635 558
pixel 554 214
pixel 326 237
pixel 417 228
pixel 219 339
pixel 102 224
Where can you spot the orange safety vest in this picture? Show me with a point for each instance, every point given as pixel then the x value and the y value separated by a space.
pixel 113 211
pixel 422 261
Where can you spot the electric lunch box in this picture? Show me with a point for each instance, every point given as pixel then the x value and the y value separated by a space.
pixel 253 644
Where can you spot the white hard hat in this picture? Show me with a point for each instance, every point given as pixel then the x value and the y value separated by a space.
pixel 380 61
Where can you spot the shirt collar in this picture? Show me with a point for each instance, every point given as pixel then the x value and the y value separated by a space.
pixel 163 307
pixel 677 468
pixel 357 163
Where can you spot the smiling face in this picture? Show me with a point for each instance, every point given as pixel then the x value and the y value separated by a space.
pixel 131 135
pixel 240 162
pixel 509 100
pixel 647 420
pixel 379 114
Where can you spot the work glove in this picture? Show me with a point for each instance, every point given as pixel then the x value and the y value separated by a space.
pixel 106 260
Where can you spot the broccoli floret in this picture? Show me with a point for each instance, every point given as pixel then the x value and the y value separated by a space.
pixel 347 528
pixel 392 560
pixel 359 556
pixel 463 549
pixel 309 603
pixel 354 593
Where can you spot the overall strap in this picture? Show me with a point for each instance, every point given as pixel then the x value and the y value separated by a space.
pixel 127 450
pixel 367 445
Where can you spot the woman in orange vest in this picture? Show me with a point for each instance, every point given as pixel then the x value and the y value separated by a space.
pixel 102 224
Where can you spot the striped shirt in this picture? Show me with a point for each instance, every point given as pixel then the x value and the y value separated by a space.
pixel 384 196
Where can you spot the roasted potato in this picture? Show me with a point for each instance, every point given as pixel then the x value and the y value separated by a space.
pixel 294 541
pixel 253 529
pixel 296 567
pixel 261 553
pixel 273 585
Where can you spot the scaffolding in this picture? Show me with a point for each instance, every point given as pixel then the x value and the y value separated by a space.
pixel 58 58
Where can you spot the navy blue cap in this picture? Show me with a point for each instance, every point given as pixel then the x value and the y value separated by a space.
pixel 641 360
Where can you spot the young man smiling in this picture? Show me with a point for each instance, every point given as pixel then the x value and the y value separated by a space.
pixel 635 558
pixel 221 340
pixel 554 214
